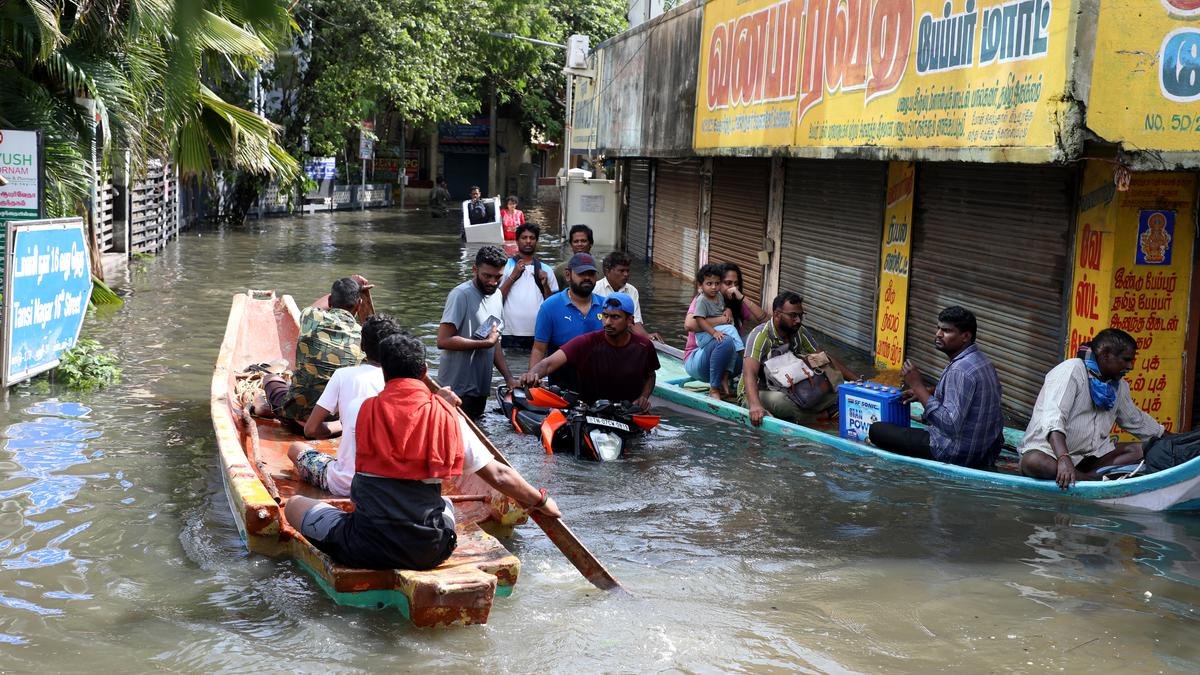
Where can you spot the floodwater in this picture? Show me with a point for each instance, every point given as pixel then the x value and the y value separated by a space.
pixel 745 552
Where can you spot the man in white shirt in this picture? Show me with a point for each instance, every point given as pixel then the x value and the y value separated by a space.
pixel 527 282
pixel 1070 433
pixel 616 280
pixel 344 392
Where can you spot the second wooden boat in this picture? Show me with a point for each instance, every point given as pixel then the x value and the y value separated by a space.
pixel 1176 489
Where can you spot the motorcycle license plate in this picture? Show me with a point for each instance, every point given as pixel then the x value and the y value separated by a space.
pixel 601 422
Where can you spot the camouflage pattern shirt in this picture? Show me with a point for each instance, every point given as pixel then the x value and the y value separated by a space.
pixel 329 339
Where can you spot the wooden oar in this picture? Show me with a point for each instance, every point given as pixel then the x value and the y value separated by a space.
pixel 556 530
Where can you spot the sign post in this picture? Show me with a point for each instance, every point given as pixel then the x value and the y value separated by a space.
pixel 46 293
pixel 366 149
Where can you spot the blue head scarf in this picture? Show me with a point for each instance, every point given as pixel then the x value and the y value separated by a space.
pixel 1104 392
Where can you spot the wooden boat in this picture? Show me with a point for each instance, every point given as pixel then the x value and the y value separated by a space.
pixel 259 480
pixel 1176 489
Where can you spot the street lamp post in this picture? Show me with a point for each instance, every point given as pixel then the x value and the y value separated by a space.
pixel 576 57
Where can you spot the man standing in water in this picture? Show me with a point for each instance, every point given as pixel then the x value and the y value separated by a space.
pixel 616 280
pixel 580 239
pixel 567 315
pixel 527 283
pixel 1069 435
pixel 469 333
pixel 965 423
pixel 615 363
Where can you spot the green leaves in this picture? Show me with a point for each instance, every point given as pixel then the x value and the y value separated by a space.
pixel 87 367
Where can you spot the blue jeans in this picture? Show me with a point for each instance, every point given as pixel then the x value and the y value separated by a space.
pixel 730 333
pixel 710 362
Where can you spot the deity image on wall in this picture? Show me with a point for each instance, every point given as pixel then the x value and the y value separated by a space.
pixel 1155 230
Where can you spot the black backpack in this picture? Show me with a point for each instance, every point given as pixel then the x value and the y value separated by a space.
pixel 1168 451
pixel 537 267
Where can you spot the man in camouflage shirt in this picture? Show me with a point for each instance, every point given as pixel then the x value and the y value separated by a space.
pixel 330 338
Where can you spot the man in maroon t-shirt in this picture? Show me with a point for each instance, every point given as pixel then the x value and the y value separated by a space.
pixel 614 363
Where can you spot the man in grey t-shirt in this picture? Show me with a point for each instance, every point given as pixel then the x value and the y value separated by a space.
pixel 469 333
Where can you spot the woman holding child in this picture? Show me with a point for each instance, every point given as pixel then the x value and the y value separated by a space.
pixel 716 322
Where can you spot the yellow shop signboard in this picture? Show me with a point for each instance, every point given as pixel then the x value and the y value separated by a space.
pixel 1146 74
pixel 891 315
pixel 891 73
pixel 1133 262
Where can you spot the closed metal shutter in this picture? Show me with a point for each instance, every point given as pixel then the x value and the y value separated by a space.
pixel 738 224
pixel 676 215
pixel 993 238
pixel 832 232
pixel 637 218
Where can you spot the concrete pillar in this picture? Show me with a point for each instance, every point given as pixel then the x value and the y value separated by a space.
pixel 774 229
pixel 706 172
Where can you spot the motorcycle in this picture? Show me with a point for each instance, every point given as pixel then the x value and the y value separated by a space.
pixel 598 431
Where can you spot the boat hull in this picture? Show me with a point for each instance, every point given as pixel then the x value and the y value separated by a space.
pixel 1175 489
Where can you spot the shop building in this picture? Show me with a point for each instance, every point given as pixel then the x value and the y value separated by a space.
pixel 888 158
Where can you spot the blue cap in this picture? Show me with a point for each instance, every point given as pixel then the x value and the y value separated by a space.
pixel 619 301
pixel 582 262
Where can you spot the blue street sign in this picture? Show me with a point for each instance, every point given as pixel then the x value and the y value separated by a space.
pixel 46 294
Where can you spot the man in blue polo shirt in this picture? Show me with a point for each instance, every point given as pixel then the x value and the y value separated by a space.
pixel 567 315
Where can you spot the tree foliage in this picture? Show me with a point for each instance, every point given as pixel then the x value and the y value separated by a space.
pixel 431 61
pixel 151 67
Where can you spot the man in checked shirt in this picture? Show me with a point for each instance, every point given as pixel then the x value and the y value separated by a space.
pixel 964 423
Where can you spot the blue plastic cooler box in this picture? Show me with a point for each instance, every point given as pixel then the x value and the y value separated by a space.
pixel 861 404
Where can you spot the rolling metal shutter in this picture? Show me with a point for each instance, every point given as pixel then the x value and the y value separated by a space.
pixel 676 228
pixel 832 232
pixel 740 192
pixel 994 239
pixel 637 218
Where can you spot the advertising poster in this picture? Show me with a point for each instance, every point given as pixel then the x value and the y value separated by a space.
pixel 1132 270
pixel 46 294
pixel 20 199
pixel 890 73
pixel 1146 74
pixel 893 267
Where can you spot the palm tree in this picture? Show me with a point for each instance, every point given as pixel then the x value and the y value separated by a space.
pixel 151 67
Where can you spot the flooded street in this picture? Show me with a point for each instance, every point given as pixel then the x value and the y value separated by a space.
pixel 745 552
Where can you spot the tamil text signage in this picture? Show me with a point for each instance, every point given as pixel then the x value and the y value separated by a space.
pixel 45 294
pixel 20 199
pixel 916 74
pixel 1146 74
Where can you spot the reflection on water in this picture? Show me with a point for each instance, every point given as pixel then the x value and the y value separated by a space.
pixel 745 552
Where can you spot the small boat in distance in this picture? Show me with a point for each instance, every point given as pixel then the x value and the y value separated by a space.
pixel 1175 489
pixel 259 480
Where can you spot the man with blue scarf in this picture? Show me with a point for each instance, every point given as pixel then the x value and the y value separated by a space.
pixel 1069 436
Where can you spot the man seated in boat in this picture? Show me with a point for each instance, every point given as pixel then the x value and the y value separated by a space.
pixel 613 363
pixel 1069 436
pixel 329 339
pixel 964 423
pixel 784 334
pixel 345 390
pixel 409 439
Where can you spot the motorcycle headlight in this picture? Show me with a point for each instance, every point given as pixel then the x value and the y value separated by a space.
pixel 608 445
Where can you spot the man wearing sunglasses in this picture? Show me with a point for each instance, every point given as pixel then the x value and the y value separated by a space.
pixel 783 333
pixel 613 363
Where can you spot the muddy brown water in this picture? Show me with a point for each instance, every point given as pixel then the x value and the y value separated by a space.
pixel 746 552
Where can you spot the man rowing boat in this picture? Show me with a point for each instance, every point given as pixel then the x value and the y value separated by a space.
pixel 409 439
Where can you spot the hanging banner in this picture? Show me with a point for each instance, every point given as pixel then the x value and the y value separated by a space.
pixel 45 295
pixel 892 313
pixel 1146 74
pixel 1133 262
pixel 917 74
